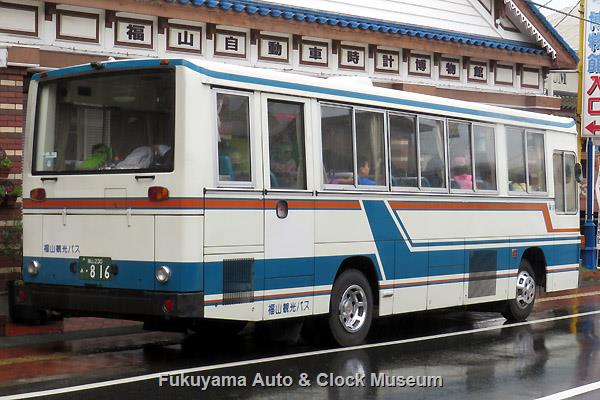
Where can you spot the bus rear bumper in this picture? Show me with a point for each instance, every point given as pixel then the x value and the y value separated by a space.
pixel 108 302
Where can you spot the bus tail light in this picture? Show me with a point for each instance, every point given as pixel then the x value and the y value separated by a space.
pixel 582 238
pixel 158 193
pixel 37 194
pixel 168 305
pixel 21 295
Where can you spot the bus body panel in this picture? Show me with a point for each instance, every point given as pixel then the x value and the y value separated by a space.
pixel 226 243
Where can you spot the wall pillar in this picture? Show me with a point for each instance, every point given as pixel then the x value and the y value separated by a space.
pixel 12 117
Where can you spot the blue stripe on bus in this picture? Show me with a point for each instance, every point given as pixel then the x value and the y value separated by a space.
pixel 310 88
pixel 185 276
pixel 399 263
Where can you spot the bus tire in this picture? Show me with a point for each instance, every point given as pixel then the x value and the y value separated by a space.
pixel 350 308
pixel 519 308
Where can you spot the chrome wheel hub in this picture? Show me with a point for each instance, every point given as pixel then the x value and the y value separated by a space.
pixel 525 289
pixel 353 308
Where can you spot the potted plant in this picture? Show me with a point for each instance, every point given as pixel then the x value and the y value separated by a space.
pixel 5 165
pixel 12 193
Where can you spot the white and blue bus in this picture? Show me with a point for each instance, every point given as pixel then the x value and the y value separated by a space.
pixel 179 191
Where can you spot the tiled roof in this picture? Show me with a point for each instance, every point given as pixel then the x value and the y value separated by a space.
pixel 324 18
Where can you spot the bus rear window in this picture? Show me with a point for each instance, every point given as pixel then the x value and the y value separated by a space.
pixel 113 122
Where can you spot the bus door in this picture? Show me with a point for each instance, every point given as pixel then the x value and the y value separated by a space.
pixel 289 206
pixel 233 211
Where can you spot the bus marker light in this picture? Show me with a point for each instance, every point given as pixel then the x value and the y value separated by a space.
pixel 164 62
pixel 515 253
pixel 168 306
pixel 158 193
pixel 162 274
pixel 33 268
pixel 282 209
pixel 37 194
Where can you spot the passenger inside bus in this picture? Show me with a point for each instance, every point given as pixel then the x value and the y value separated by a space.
pixel 143 157
pixel 461 177
pixel 363 173
pixel 101 154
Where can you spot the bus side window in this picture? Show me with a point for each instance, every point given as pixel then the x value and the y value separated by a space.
pixel 459 151
pixel 233 124
pixel 403 149
pixel 432 149
pixel 484 152
pixel 536 162
pixel 286 145
pixel 559 182
pixel 370 148
pixel 571 188
pixel 517 181
pixel 565 185
pixel 338 149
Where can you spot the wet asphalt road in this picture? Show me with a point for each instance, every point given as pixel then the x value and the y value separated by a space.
pixel 497 361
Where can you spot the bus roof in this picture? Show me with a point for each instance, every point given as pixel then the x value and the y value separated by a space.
pixel 344 90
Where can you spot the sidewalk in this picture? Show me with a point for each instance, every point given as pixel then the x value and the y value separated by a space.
pixel 66 325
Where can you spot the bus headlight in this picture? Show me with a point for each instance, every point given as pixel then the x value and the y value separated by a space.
pixel 33 268
pixel 163 274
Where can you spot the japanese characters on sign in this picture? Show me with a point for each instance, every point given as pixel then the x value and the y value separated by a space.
pixel 590 109
pixel 184 38
pixel 134 32
pixel 387 61
pixel 288 307
pixel 314 53
pixel 273 48
pixel 352 57
pixel 62 248
pixel 450 68
pixel 419 64
pixel 230 43
pixel 478 71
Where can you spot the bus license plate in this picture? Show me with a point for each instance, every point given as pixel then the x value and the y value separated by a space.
pixel 95 268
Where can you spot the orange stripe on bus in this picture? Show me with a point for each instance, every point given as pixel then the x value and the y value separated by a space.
pixel 409 205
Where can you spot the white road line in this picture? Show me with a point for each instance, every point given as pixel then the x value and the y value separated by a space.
pixel 140 378
pixel 567 394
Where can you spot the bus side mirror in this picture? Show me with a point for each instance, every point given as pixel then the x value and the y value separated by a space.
pixel 578 173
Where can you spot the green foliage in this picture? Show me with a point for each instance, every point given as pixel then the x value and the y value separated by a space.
pixel 17 191
pixel 5 163
pixel 11 240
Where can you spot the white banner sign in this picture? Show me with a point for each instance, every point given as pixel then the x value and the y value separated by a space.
pixel 590 109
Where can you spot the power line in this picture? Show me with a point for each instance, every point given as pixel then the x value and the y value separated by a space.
pixel 570 11
pixel 561 12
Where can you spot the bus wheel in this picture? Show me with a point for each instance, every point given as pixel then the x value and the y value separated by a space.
pixel 350 308
pixel 519 308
